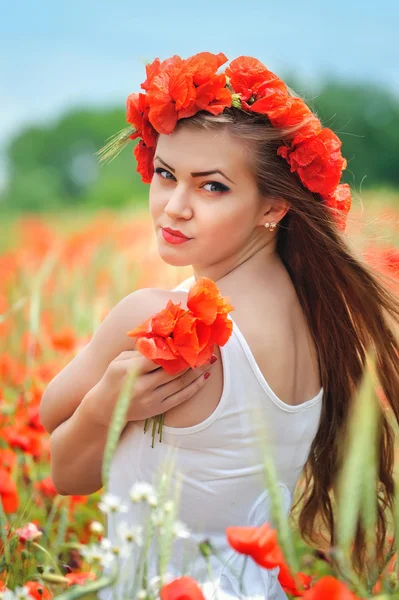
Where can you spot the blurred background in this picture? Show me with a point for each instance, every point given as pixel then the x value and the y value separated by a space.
pixel 76 238
pixel 67 69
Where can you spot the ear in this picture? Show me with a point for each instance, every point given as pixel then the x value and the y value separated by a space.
pixel 274 211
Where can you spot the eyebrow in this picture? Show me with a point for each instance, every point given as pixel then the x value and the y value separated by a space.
pixel 195 174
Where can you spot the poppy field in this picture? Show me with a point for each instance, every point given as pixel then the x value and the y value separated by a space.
pixel 60 275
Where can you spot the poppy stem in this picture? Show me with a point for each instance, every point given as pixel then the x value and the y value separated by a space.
pixel 161 420
pixel 154 429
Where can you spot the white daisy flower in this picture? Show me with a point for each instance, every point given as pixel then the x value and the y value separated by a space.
pixel 180 530
pixel 158 518
pixel 143 491
pixel 152 500
pixel 111 504
pixel 168 506
pixel 22 593
pixel 130 534
pixel 92 553
pixel 105 544
pixel 7 595
pixel 115 550
pixel 96 527
pixel 108 560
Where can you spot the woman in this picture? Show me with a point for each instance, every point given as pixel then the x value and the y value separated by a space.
pixel 249 178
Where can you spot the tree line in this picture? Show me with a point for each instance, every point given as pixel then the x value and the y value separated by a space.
pixel 53 166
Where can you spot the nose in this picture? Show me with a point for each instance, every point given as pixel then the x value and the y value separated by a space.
pixel 178 204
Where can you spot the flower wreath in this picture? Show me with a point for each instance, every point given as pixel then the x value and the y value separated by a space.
pixel 178 88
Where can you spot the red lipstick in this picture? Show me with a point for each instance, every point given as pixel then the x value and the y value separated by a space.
pixel 173 236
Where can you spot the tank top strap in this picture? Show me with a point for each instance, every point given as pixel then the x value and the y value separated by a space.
pixel 238 337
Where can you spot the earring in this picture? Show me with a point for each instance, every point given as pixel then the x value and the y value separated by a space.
pixel 272 226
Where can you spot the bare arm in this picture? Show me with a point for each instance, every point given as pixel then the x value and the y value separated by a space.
pixel 66 391
pixel 67 408
pixel 77 450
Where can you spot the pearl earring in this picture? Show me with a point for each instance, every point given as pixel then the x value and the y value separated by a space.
pixel 272 226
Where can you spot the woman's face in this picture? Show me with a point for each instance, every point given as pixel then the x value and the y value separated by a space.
pixel 220 211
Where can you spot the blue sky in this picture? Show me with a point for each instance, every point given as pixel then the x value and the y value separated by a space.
pixel 55 55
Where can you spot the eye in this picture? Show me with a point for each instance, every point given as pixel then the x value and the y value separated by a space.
pixel 159 170
pixel 222 187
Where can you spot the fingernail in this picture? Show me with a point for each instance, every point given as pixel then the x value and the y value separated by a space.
pixel 207 374
pixel 213 359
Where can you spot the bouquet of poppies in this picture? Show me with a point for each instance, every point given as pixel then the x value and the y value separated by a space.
pixel 176 338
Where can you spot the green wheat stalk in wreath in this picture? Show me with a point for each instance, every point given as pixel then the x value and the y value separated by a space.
pixel 115 144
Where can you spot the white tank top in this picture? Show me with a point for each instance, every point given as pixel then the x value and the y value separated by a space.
pixel 218 464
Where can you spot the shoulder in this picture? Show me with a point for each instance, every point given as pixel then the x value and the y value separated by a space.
pixel 134 309
pixel 142 303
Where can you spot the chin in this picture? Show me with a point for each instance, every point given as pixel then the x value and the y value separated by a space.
pixel 174 261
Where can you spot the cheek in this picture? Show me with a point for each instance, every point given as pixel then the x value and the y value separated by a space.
pixel 228 227
pixel 155 200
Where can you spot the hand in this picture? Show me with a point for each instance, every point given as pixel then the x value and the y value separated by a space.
pixel 154 390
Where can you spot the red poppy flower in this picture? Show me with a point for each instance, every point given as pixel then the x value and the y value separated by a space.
pixel 331 588
pixel 340 200
pixel 137 108
pixel 182 588
pixel 80 578
pixel 8 492
pixel 293 113
pixel 37 590
pixel 64 340
pixel 203 65
pixel 212 94
pixel 260 543
pixel 252 80
pixel 178 89
pixel 8 458
pixel 27 439
pixel 156 67
pixel 145 158
pixel 177 339
pixel 294 586
pixel 317 159
pixel 46 487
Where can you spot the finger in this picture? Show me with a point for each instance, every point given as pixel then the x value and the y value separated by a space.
pixel 126 354
pixel 140 362
pixel 184 394
pixel 181 383
pixel 147 365
pixel 162 378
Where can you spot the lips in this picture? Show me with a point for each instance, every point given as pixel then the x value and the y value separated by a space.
pixel 176 233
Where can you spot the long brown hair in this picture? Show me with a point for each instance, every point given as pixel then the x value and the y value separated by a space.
pixel 348 307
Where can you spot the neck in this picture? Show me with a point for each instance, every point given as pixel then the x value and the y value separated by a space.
pixel 254 264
